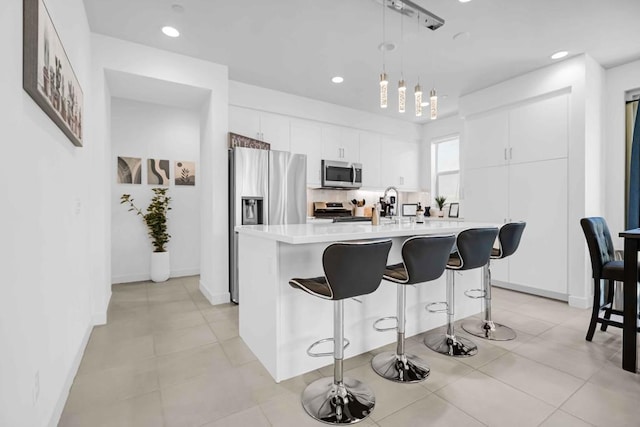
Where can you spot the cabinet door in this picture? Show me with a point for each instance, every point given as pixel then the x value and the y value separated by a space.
pixel 350 144
pixel 485 200
pixel 407 165
pixel 306 138
pixel 370 158
pixel 539 130
pixel 275 130
pixel 244 121
pixel 538 195
pixel 399 164
pixel 485 140
pixel 331 147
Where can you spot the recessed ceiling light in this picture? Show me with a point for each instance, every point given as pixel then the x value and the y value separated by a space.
pixel 387 46
pixel 337 79
pixel 425 104
pixel 170 31
pixel 464 1
pixel 462 35
pixel 560 54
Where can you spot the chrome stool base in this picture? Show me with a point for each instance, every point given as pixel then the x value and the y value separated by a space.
pixel 405 368
pixel 348 402
pixel 450 345
pixel 489 330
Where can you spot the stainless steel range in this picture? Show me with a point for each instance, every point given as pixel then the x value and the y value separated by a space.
pixel 336 211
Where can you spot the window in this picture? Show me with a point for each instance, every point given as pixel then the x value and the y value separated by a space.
pixel 445 168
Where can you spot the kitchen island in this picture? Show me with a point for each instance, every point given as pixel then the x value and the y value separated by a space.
pixel 278 322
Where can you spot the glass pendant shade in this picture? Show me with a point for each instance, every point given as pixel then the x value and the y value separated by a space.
pixel 418 96
pixel 384 83
pixel 402 96
pixel 433 104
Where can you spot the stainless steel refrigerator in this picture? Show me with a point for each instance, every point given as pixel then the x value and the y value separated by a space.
pixel 265 187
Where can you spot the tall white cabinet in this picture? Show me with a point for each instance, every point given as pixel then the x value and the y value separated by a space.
pixel 515 168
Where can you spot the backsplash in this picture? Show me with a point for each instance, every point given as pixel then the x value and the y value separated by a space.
pixel 370 197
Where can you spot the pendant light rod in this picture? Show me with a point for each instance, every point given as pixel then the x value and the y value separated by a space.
pixel 409 8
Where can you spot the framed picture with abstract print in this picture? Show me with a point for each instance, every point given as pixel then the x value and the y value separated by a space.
pixel 47 75
pixel 185 173
pixel 158 172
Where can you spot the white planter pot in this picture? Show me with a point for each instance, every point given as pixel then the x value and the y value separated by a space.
pixel 160 268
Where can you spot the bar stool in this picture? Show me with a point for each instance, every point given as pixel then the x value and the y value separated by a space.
pixel 424 258
pixel 473 250
pixel 508 241
pixel 351 269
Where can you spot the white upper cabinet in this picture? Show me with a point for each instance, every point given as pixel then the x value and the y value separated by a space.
pixel 244 121
pixel 267 127
pixel 340 144
pixel 539 130
pixel 370 144
pixel 275 130
pixel 399 164
pixel 306 138
pixel 486 140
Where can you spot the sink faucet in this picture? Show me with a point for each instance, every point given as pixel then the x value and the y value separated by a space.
pixel 387 199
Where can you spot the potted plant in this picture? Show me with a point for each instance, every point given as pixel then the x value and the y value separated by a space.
pixel 440 202
pixel 156 222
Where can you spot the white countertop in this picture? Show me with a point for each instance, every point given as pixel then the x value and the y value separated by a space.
pixel 323 232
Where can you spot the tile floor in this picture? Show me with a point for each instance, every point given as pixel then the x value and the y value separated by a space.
pixel 169 358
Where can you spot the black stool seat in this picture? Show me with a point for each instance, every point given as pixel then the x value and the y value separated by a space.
pixel 396 273
pixel 423 259
pixel 508 242
pixel 473 250
pixel 316 286
pixel 350 269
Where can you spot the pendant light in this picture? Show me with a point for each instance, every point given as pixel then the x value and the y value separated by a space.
pixel 418 97
pixel 433 104
pixel 402 95
pixel 384 81
pixel 402 89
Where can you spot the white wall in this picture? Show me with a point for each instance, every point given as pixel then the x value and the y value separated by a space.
pixel 144 130
pixel 121 56
pixel 46 223
pixel 618 81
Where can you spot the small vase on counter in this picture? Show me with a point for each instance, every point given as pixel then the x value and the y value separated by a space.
pixel 375 215
pixel 419 214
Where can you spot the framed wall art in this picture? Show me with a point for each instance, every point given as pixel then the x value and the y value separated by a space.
pixel 158 172
pixel 129 170
pixel 47 74
pixel 185 173
pixel 454 210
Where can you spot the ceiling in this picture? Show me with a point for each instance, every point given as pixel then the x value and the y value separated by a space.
pixel 296 46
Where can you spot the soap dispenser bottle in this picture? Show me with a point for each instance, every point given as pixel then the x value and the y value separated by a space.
pixel 419 214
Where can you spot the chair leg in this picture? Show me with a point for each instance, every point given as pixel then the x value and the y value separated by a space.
pixel 338 400
pixel 609 301
pixel 397 365
pixel 595 310
pixel 487 328
pixel 449 344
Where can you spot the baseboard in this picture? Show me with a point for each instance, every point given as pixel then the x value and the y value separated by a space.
pixel 71 375
pixel 215 299
pixel 142 277
pixel 580 302
pixel 530 290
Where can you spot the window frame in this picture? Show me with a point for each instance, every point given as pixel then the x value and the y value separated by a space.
pixel 435 175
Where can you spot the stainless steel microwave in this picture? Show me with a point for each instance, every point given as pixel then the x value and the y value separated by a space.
pixel 341 174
